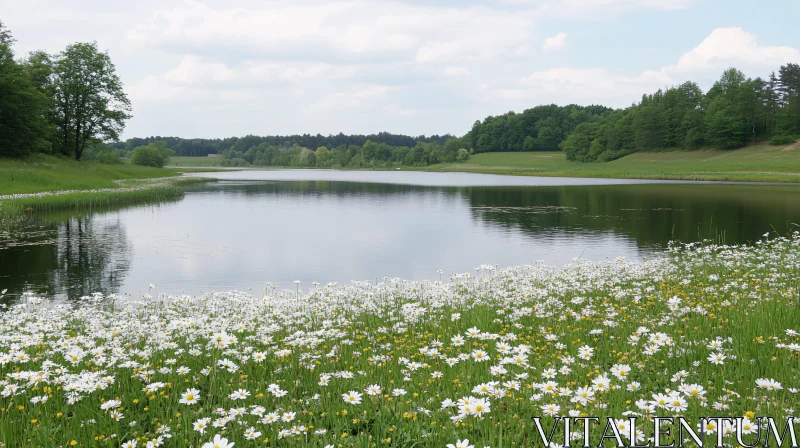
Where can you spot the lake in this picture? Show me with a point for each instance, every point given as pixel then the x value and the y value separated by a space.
pixel 259 226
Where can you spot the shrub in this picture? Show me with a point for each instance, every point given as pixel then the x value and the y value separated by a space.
pixel 148 156
pixel 155 154
pixel 108 157
pixel 779 140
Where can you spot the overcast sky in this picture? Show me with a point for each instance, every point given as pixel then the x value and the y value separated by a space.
pixel 213 68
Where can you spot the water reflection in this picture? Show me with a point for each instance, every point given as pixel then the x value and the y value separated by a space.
pixel 74 258
pixel 235 235
pixel 651 214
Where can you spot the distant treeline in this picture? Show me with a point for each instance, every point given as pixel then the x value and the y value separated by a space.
pixel 203 147
pixel 369 155
pixel 735 111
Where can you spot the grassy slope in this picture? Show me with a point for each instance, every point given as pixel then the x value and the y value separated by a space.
pixel 753 163
pixel 47 173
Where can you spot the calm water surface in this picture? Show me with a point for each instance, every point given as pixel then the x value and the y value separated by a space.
pixel 278 226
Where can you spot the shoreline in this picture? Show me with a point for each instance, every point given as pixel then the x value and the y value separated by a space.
pixel 130 191
pixel 716 177
pixel 758 163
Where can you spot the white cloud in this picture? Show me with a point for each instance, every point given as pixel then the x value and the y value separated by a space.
pixel 396 109
pixel 454 70
pixel 557 42
pixel 358 97
pixel 193 70
pixel 722 48
pixel 599 9
pixel 344 55
pixel 585 86
pixel 726 46
pixel 197 76
pixel 352 30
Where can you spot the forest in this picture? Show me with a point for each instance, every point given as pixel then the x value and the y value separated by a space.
pixel 735 111
pixel 202 147
pixel 371 154
pixel 73 104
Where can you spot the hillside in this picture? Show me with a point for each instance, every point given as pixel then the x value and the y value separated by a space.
pixel 758 163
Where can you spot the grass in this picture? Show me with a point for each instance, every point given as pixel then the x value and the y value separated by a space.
pixel 46 183
pixel 127 193
pixel 759 163
pixel 184 161
pixel 711 328
pixel 40 173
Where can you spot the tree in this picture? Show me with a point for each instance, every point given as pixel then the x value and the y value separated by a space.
pixel 89 101
pixel 693 128
pixel 728 118
pixel 529 144
pixel 789 87
pixel 547 138
pixel 155 154
pixel 725 127
pixel 322 155
pixel 22 122
pixel 577 144
pixel 306 157
pixel 450 149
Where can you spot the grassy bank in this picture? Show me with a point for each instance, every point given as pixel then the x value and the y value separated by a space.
pixel 695 332
pixel 760 163
pixel 46 183
pixel 47 173
pixel 127 192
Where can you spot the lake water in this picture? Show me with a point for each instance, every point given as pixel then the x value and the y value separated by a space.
pixel 259 226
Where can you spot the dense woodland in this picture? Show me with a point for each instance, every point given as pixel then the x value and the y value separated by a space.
pixel 371 154
pixel 541 128
pixel 204 146
pixel 73 103
pixel 735 111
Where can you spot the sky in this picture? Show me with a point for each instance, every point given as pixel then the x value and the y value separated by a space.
pixel 221 68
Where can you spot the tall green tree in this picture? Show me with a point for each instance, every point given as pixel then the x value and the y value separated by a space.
pixel 728 120
pixel 39 66
pixel 22 120
pixel 789 88
pixel 89 101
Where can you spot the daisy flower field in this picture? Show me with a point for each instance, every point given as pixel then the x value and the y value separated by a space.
pixel 699 330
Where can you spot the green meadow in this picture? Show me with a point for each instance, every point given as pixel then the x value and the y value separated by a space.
pixel 186 161
pixel 758 163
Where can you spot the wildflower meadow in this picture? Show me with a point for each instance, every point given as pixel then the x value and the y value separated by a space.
pixel 469 361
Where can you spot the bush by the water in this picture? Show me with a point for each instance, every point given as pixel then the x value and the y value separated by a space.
pixel 155 154
pixel 701 330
